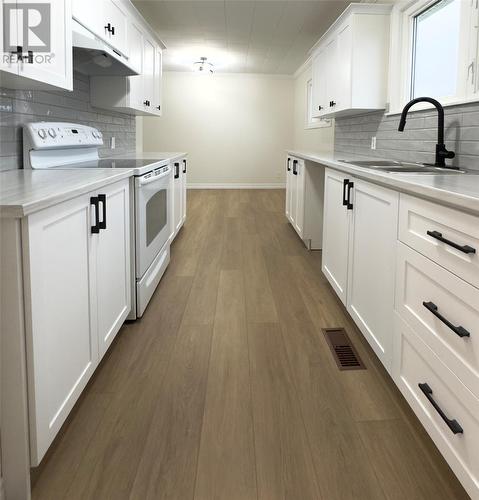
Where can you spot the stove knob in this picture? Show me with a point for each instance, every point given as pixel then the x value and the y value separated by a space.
pixel 52 133
pixel 42 133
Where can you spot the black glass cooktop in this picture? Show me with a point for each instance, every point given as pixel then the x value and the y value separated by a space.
pixel 113 163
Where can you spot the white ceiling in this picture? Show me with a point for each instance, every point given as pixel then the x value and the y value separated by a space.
pixel 241 36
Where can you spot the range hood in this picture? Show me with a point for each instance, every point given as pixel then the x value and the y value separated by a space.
pixel 92 56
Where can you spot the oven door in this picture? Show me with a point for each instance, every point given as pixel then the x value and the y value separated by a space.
pixel 152 199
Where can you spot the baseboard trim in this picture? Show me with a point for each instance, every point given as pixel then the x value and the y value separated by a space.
pixel 270 185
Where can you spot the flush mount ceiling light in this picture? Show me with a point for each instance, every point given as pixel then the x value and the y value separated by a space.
pixel 203 66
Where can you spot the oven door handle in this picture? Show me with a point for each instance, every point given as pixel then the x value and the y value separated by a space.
pixel 142 181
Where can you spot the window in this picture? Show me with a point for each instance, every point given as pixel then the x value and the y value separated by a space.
pixel 310 121
pixel 436 49
pixel 434 52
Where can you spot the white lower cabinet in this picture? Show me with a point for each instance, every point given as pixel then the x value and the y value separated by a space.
pixel 337 219
pixel 178 198
pixel 359 254
pixel 446 408
pixel 77 295
pixel 304 195
pixel 372 262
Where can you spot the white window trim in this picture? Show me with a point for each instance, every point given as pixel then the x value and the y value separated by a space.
pixel 400 56
pixel 309 121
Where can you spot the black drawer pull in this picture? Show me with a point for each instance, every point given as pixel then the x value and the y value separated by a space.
pixel 452 424
pixel 350 187
pixel 177 170
pixel 345 185
pixel 184 166
pixel 288 168
pixel 102 200
pixel 95 229
pixel 463 248
pixel 295 171
pixel 458 330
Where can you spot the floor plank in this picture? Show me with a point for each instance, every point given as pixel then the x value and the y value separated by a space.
pixel 284 462
pixel 226 464
pixel 168 463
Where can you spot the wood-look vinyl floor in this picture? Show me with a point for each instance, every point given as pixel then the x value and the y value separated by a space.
pixel 226 389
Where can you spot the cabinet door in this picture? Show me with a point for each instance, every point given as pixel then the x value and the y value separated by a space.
pixel 135 83
pixel 289 173
pixel 158 76
pixel 113 263
pixel 330 59
pixel 372 259
pixel 343 63
pixel 177 196
pixel 49 60
pixel 8 61
pixel 293 204
pixel 336 232
pixel 183 190
pixel 149 54
pixel 115 16
pixel 319 99
pixel 62 346
pixel 299 192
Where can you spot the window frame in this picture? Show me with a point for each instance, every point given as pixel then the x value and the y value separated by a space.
pixel 310 121
pixel 401 49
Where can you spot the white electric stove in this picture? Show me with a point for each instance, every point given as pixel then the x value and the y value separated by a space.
pixel 56 145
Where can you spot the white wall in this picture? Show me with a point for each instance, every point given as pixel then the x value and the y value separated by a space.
pixel 235 127
pixel 316 140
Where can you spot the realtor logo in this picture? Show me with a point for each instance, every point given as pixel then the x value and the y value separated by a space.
pixel 26 25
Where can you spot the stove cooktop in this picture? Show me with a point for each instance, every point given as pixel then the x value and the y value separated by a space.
pixel 112 163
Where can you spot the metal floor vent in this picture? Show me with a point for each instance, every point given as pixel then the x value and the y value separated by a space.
pixel 343 350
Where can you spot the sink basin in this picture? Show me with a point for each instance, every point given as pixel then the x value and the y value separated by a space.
pixel 402 167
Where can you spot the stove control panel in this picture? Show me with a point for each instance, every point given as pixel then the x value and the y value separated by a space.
pixel 56 135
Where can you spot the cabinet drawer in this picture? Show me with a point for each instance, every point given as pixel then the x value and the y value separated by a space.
pixel 447 228
pixel 442 309
pixel 414 364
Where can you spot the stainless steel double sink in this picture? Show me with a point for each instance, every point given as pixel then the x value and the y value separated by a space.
pixel 401 167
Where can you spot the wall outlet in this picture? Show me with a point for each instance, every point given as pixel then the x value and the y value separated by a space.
pixel 373 142
pixel 112 142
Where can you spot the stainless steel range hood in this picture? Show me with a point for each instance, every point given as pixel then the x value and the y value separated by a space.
pixel 92 56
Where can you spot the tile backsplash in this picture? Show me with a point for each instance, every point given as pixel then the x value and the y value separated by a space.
pixel 20 106
pixel 418 141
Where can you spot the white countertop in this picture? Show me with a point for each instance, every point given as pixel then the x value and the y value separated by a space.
pixel 459 191
pixel 23 192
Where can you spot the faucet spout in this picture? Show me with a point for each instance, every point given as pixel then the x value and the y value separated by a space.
pixel 441 152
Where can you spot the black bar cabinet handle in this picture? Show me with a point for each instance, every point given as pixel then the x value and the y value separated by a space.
pixel 345 185
pixel 458 330
pixel 102 200
pixel 184 166
pixel 295 162
pixel 463 248
pixel 95 229
pixel 350 187
pixel 30 57
pixel 288 168
pixel 112 30
pixel 108 27
pixel 177 170
pixel 452 424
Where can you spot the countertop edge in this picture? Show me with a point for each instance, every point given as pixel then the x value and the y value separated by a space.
pixel 26 209
pixel 462 202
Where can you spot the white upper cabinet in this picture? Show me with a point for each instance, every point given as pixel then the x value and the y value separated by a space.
pixel 40 59
pixel 107 19
pixel 350 62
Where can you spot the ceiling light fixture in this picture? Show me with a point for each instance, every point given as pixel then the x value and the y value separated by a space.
pixel 203 66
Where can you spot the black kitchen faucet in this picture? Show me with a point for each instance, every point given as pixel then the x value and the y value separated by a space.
pixel 441 152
